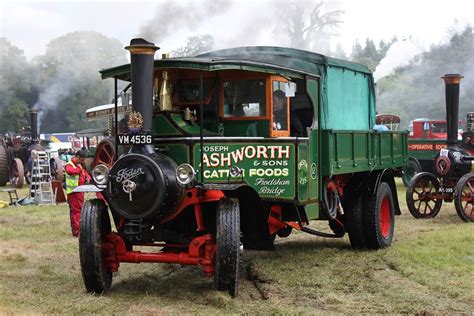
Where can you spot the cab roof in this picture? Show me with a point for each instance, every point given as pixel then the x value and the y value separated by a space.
pixel 276 60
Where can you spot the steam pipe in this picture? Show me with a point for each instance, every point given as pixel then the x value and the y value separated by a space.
pixel 142 72
pixel 452 83
pixel 34 125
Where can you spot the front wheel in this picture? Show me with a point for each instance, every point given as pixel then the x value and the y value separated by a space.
pixel 94 227
pixel 464 197
pixel 380 219
pixel 422 200
pixel 226 275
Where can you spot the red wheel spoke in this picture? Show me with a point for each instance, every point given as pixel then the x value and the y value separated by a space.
pixel 470 186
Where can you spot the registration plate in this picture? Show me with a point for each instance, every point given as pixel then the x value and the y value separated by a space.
pixel 135 139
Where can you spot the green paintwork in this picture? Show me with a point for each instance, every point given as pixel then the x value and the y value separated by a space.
pixel 162 126
pixel 269 168
pixel 303 168
pixel 175 125
pixel 312 88
pixel 312 210
pixel 340 141
pixel 178 152
pixel 357 151
pixel 426 149
pixel 246 128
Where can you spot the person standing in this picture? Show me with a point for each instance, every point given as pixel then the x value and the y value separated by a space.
pixel 76 175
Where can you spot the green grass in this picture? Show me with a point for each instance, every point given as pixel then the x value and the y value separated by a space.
pixel 429 268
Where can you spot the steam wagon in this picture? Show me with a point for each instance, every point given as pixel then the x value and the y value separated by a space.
pixel 232 148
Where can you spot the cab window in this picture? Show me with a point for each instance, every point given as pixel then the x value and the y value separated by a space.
pixel 280 117
pixel 244 98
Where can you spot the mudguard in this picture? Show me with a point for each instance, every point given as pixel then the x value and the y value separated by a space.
pixel 88 188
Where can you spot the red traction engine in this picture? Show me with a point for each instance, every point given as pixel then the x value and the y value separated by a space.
pixel 452 179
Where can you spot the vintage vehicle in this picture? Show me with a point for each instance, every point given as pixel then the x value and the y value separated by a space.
pixel 15 150
pixel 426 138
pixel 451 179
pixel 232 148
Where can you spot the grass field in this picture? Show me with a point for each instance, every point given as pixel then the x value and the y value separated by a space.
pixel 428 269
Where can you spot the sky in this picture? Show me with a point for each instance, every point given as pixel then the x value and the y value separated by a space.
pixel 30 25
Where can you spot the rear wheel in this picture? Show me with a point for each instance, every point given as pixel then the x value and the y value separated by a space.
pixel 17 174
pixel 354 222
pixel 421 196
pixel 226 275
pixel 3 165
pixel 94 227
pixel 464 197
pixel 379 222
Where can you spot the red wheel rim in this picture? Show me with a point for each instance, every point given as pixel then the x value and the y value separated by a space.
pixel 424 192
pixel 384 218
pixel 467 199
pixel 105 154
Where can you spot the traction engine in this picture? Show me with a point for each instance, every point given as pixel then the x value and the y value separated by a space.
pixel 453 179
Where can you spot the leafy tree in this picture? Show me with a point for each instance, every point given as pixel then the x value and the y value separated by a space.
pixel 307 26
pixel 70 81
pixel 370 55
pixel 416 90
pixel 195 45
pixel 339 52
pixel 16 89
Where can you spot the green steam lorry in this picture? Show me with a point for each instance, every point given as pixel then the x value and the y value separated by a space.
pixel 232 148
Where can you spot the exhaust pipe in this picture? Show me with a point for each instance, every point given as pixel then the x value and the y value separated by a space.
pixel 34 126
pixel 452 83
pixel 142 56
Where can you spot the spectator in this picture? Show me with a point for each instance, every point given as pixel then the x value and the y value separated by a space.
pixel 76 175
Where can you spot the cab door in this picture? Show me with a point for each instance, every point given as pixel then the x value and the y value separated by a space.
pixel 312 90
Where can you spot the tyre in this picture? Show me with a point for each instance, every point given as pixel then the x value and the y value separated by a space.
pixel 94 226
pixel 354 222
pixel 228 246
pixel 464 197
pixel 285 232
pixel 410 171
pixel 421 196
pixel 17 173
pixel 379 219
pixel 3 165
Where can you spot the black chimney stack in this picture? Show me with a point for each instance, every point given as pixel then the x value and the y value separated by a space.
pixel 142 55
pixel 452 82
pixel 34 125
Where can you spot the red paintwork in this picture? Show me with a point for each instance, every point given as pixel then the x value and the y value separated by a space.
pixel 384 217
pixel 201 252
pixel 274 220
pixel 275 223
pixel 420 133
pixel 195 197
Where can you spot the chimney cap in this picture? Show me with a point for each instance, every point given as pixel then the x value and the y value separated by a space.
pixel 141 46
pixel 452 78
